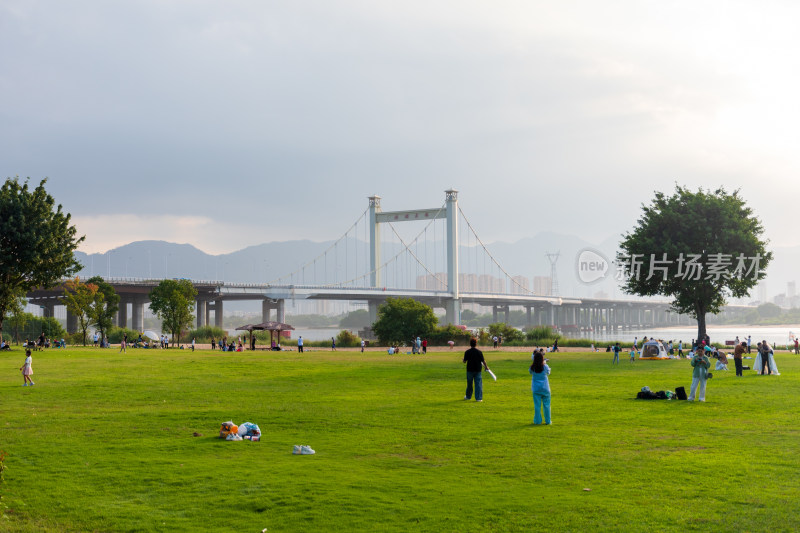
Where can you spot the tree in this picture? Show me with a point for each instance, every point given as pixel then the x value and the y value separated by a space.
pixel 355 319
pixel 173 301
pixel 17 315
pixel 80 299
pixel 104 307
pixel 403 319
pixel 699 248
pixel 36 242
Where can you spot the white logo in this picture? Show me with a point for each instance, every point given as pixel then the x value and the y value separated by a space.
pixel 591 266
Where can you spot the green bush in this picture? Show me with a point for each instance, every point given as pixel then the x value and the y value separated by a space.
pixel 539 333
pixel 442 334
pixel 345 339
pixel 506 332
pixel 115 335
pixel 203 334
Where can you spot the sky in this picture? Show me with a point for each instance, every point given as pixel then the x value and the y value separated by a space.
pixel 230 124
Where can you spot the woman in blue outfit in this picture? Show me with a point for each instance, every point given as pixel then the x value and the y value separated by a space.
pixel 540 386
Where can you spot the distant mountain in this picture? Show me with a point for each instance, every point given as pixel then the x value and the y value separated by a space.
pixel 267 262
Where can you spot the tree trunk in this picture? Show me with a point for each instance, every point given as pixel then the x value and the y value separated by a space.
pixel 701 323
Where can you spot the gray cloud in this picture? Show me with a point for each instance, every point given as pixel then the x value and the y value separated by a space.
pixel 285 116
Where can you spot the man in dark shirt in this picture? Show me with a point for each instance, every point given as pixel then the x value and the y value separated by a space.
pixel 474 359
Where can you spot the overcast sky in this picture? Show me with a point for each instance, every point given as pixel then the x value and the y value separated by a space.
pixel 227 124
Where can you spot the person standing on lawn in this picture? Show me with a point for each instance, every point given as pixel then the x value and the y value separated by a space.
pixel 700 364
pixel 738 351
pixel 27 370
pixel 616 354
pixel 475 364
pixel 540 386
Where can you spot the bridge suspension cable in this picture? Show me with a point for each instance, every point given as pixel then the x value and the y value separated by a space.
pixel 321 255
pixel 491 257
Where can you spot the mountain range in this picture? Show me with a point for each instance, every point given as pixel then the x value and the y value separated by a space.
pixel 265 263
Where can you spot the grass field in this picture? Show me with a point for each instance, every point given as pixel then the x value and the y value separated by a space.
pixel 104 442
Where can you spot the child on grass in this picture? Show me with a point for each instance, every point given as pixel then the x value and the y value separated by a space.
pixel 27 370
pixel 540 386
pixel 633 355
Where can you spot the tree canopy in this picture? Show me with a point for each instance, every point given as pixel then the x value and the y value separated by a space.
pixel 402 320
pixel 173 301
pixel 698 248
pixel 104 306
pixel 37 242
pixel 80 298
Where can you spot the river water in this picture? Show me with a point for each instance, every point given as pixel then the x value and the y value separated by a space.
pixel 779 335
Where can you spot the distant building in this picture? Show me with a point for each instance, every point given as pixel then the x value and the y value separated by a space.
pixel 520 285
pixel 762 292
pixel 542 285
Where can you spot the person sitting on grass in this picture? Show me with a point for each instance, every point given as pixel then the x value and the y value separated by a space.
pixel 722 361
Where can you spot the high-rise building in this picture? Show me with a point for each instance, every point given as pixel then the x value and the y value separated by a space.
pixel 542 285
pixel 520 285
pixel 791 289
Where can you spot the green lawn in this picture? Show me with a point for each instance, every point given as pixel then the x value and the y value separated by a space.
pixel 104 442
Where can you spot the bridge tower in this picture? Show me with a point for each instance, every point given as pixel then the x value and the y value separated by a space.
pixel 377 216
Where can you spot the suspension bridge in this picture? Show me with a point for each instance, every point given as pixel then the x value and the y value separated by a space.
pixel 441 262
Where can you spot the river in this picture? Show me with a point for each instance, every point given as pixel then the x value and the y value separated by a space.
pixel 779 335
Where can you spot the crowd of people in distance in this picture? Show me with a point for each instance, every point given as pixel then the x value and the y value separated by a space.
pixel 225 346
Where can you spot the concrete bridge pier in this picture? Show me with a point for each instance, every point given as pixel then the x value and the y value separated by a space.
pixel 200 311
pixel 122 314
pixel 266 309
pixel 72 321
pixel 452 311
pixel 137 308
pixel 281 311
pixel 218 321
pixel 372 307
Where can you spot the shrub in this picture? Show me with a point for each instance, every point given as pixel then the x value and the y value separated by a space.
pixel 540 333
pixel 203 334
pixel 346 339
pixel 115 335
pixel 442 334
pixel 506 332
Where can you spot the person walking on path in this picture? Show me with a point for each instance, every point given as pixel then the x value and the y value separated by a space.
pixel 300 344
pixel 700 364
pixel 616 354
pixel 333 344
pixel 540 386
pixel 363 344
pixel 424 345
pixel 738 351
pixel 27 370
pixel 475 364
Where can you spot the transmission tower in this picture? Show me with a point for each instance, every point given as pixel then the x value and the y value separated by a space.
pixel 553 258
